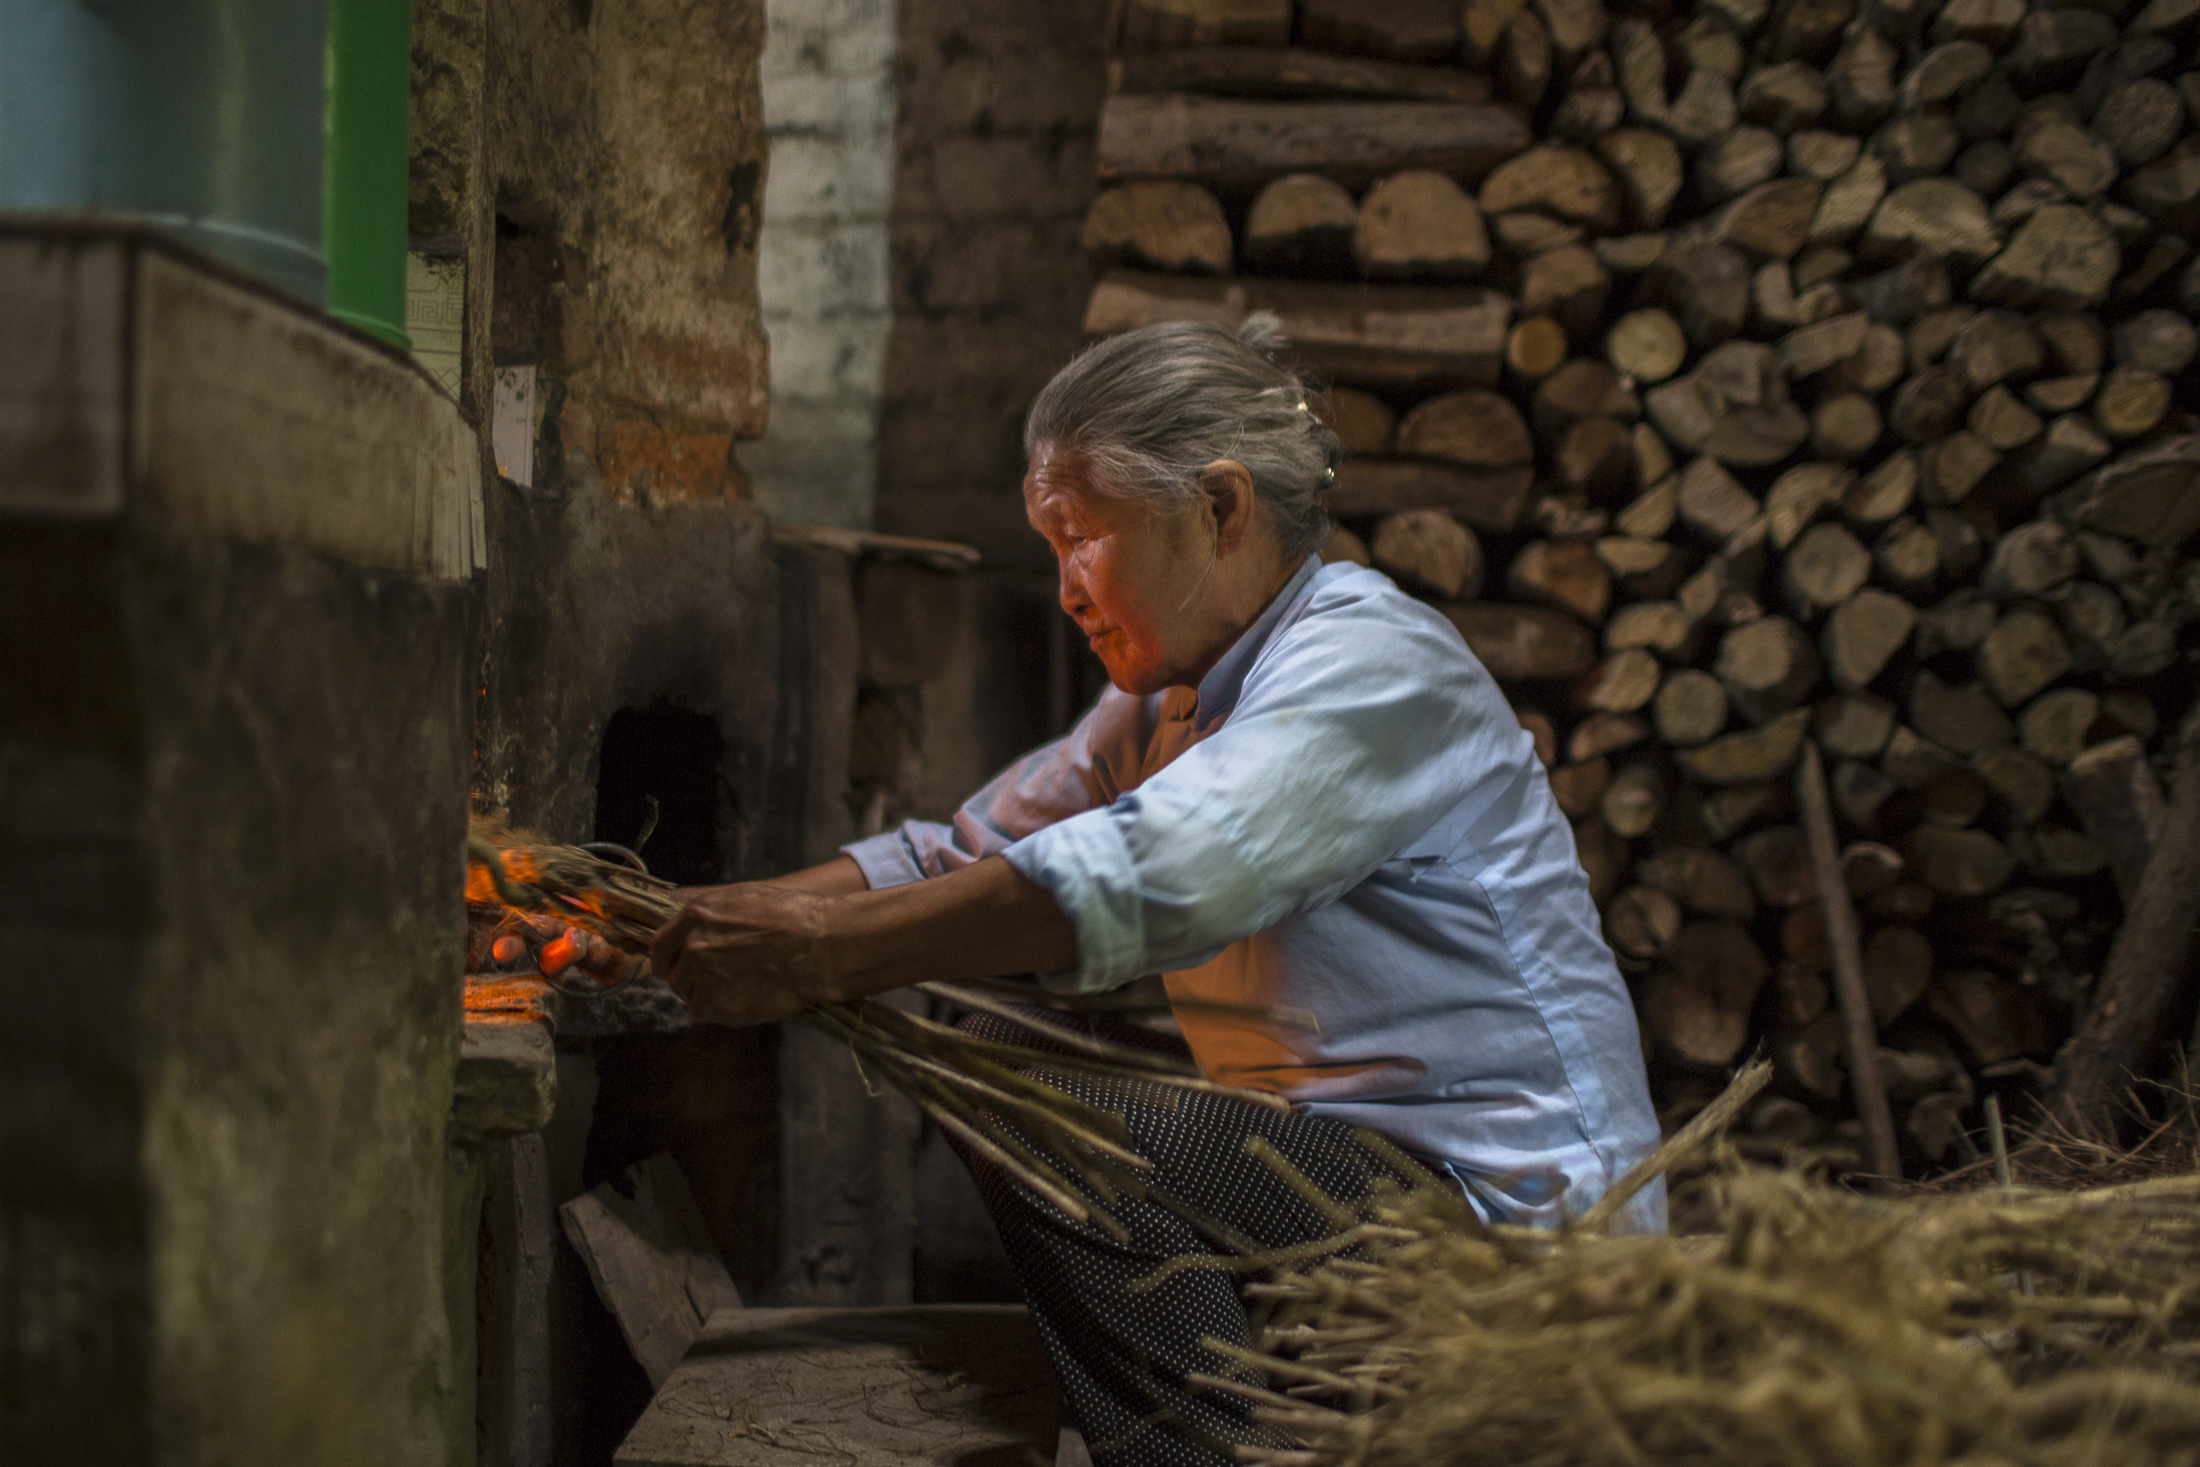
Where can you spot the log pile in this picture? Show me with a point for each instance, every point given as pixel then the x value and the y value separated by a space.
pixel 1735 375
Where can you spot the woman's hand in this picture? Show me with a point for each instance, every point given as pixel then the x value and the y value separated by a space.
pixel 749 954
pixel 760 951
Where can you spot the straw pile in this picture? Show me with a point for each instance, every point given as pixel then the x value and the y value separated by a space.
pixel 981 1092
pixel 1816 1325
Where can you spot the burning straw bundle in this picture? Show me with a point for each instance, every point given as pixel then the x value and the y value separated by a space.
pixel 1818 1326
pixel 979 1091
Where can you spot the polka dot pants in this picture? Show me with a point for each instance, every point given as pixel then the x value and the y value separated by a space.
pixel 1124 1353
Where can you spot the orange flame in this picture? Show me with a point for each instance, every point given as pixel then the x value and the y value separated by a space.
pixel 519 870
pixel 585 911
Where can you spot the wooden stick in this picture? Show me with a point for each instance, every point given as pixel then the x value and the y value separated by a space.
pixel 886 1027
pixel 2139 981
pixel 1684 1143
pixel 1068 1038
pixel 1998 1138
pixel 1881 1153
pixel 936 1108
pixel 1035 1112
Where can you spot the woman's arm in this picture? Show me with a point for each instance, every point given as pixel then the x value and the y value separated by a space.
pixel 840 876
pixel 1078 771
pixel 923 901
pixel 760 951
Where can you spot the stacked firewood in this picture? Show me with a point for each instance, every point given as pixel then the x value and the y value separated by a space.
pixel 1735 374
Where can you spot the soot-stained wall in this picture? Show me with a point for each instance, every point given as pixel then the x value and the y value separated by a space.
pixel 290 1002
pixel 628 140
pixel 601 167
pixel 999 105
pixel 592 607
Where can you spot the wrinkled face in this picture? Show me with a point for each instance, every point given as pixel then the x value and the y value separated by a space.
pixel 1128 573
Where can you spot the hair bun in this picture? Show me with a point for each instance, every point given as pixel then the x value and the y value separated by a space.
pixel 1263 332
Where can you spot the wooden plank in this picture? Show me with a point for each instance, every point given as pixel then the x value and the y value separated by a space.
pixel 1238 145
pixel 1151 23
pixel 1401 30
pixel 921 1386
pixel 1483 500
pixel 1523 643
pixel 1380 336
pixel 1294 74
pixel 652 1260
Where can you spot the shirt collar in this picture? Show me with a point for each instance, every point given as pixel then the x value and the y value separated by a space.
pixel 1218 690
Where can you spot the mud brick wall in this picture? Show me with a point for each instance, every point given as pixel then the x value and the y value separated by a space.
pixel 626 148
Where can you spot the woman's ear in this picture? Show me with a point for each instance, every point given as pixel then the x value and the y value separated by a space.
pixel 1228 486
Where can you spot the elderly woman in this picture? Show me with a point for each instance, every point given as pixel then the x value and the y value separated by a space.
pixel 1302 792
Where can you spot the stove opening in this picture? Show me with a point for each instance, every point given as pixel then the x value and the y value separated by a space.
pixel 661 790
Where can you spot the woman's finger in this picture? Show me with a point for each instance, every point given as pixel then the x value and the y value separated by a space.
pixel 681 988
pixel 670 942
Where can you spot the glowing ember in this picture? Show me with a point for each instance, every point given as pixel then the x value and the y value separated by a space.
pixel 505 938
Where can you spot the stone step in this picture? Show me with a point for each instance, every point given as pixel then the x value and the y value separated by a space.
pixel 964 1384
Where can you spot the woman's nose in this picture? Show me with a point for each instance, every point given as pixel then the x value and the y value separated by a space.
pixel 1071 590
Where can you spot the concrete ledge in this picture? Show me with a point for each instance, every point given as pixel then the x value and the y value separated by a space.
pixel 506 1083
pixel 143 384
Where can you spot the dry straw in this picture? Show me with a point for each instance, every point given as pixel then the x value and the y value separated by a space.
pixel 1815 1326
pixel 986 1094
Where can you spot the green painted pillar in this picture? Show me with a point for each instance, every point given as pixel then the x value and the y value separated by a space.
pixel 363 216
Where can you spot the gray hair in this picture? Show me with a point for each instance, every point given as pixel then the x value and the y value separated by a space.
pixel 1149 409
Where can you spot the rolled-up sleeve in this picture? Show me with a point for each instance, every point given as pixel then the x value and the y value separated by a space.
pixel 900 855
pixel 1083 769
pixel 1325 768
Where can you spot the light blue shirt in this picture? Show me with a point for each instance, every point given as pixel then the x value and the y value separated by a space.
pixel 1343 818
